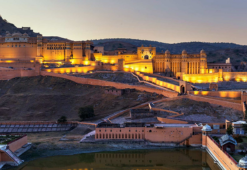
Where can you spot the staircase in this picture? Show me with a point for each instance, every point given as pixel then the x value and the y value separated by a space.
pixel 178 143
pixel 16 159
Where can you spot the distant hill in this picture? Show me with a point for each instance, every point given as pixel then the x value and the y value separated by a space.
pixel 217 52
pixel 177 48
pixel 6 26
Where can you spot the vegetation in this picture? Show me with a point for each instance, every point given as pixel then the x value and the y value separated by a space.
pixel 62 119
pixel 216 139
pixel 238 138
pixel 229 130
pixel 86 112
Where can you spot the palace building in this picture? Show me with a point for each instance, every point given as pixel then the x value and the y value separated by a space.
pixel 20 47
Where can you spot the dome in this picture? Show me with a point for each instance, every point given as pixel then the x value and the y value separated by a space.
pixel 243 162
pixel 184 52
pixel 167 52
pixel 202 52
pixel 207 128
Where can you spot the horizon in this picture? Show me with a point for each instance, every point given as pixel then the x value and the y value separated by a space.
pixel 168 22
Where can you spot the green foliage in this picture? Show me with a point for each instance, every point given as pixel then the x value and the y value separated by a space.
pixel 86 112
pixel 238 139
pixel 62 119
pixel 229 130
pixel 216 139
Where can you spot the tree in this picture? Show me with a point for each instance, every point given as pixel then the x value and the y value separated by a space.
pixel 229 130
pixel 86 112
pixel 62 119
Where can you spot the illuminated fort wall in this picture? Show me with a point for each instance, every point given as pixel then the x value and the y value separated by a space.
pixel 215 77
pixel 227 94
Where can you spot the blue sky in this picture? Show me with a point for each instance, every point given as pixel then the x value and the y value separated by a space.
pixel 169 21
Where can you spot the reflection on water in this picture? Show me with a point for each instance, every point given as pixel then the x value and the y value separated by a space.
pixel 128 160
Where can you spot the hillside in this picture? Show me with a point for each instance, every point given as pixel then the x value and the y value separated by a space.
pixel 177 48
pixel 6 26
pixel 48 98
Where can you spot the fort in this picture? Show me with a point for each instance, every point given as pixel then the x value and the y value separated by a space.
pixel 174 76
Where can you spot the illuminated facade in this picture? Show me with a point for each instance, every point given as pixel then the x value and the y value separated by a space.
pixel 21 47
pixel 148 60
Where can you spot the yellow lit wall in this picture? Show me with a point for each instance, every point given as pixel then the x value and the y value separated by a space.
pixel 71 69
pixel 146 67
pixel 224 94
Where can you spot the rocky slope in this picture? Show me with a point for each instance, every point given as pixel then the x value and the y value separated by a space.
pixel 48 98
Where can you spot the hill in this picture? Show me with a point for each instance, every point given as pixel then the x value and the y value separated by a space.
pixel 48 98
pixel 6 26
pixel 177 48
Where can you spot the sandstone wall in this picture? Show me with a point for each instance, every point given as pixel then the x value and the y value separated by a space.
pixel 9 74
pixel 17 144
pixel 236 106
pixel 96 82
pixel 228 94
pixel 226 160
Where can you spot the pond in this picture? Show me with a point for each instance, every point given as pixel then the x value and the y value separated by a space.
pixel 167 159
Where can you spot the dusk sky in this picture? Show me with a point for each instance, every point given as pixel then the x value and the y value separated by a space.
pixel 169 21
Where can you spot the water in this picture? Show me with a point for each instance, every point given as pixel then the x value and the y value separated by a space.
pixel 175 159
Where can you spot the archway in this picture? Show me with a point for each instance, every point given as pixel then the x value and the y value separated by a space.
pixel 182 89
pixel 146 57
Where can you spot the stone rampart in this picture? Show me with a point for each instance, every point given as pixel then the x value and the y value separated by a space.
pixel 97 82
pixel 236 106
pixel 18 143
pixel 171 121
pixel 224 158
pixel 223 94
pixel 9 74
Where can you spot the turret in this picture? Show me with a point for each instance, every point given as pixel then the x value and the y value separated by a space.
pixel 243 163
pixel 205 131
pixel 203 62
pixel 39 57
pixel 184 66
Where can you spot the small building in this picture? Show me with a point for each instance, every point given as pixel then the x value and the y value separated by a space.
pixel 238 127
pixel 227 143
pixel 141 113
pixel 116 92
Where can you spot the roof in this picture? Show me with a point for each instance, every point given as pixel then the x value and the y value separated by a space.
pixel 227 139
pixel 139 110
pixel 207 128
pixel 239 122
pixel 162 125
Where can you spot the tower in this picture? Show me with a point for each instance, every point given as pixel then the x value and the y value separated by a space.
pixel 87 54
pixel 39 57
pixel 184 67
pixel 205 131
pixel 203 62
pixel 167 61
pixel 68 53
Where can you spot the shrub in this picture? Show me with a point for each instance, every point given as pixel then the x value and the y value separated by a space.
pixel 86 112
pixel 229 130
pixel 62 119
pixel 238 138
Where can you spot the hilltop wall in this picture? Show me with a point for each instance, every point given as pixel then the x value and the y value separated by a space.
pixel 97 82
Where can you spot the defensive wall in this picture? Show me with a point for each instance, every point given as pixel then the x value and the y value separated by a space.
pixel 96 82
pixel 214 77
pixel 223 94
pixel 16 144
pixel 10 74
pixel 224 160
